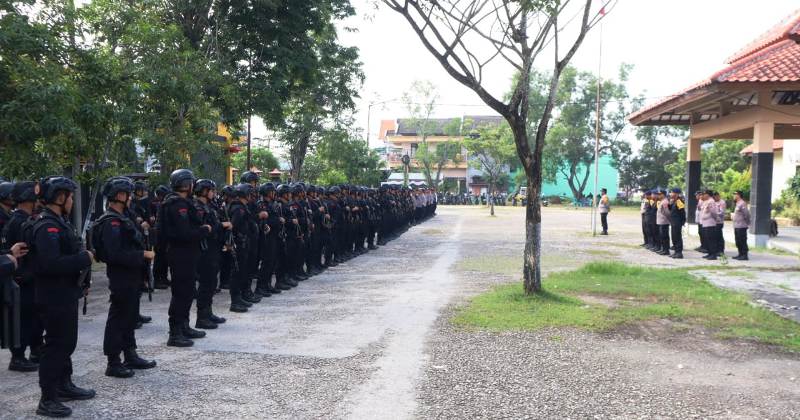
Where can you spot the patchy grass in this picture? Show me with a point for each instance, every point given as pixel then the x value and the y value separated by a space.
pixel 773 251
pixel 601 253
pixel 642 293
pixel 512 265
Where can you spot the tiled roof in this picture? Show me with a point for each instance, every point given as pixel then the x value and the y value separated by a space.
pixel 789 27
pixel 773 57
pixel 776 145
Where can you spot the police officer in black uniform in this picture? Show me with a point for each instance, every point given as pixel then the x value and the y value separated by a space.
pixel 122 249
pixel 58 261
pixel 285 236
pixel 24 194
pixel 181 228
pixel 6 203
pixel 160 267
pixel 210 253
pixel 268 240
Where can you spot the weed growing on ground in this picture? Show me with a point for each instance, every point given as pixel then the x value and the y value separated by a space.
pixel 642 293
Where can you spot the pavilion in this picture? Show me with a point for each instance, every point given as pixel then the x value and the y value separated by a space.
pixel 756 96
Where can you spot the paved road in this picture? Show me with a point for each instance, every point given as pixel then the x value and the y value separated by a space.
pixel 347 344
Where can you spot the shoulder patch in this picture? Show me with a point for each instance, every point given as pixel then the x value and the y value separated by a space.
pixel 52 230
pixel 115 223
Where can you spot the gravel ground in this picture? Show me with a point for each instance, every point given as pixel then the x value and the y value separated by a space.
pixel 372 339
pixel 650 371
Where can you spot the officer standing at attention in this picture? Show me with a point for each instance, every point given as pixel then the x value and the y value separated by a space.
pixel 741 222
pixel 24 194
pixel 663 222
pixel 677 218
pixel 604 207
pixel 121 247
pixel 650 220
pixel 709 212
pixel 210 253
pixel 58 261
pixel 241 220
pixel 182 230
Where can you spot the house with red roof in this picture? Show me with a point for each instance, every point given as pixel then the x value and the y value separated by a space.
pixel 756 96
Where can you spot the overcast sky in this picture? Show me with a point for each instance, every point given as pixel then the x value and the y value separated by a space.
pixel 672 44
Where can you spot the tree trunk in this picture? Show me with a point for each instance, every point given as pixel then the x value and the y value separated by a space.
pixel 533 236
pixel 491 200
pixel 297 154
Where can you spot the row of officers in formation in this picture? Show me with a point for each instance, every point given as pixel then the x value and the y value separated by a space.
pixel 664 214
pixel 186 238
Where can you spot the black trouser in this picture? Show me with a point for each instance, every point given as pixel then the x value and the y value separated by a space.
pixel 604 221
pixel 253 259
pixel 741 240
pixel 282 263
pixel 720 239
pixel 294 253
pixel 701 232
pixel 225 268
pixel 677 237
pixel 123 313
pixel 327 245
pixel 654 234
pixel 240 279
pixel 183 271
pixel 160 265
pixel 269 253
pixel 644 230
pixel 30 325
pixel 207 269
pixel 710 234
pixel 663 237
pixel 60 321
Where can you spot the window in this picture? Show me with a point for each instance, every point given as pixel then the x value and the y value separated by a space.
pixel 414 147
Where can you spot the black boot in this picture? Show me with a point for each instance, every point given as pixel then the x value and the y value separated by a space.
pixel 116 369
pixel 264 292
pixel 70 392
pixel 238 305
pixel 133 361
pixel 176 337
pixel 250 297
pixel 204 320
pixel 677 255
pixel 51 407
pixel 215 319
pixel 274 290
pixel 35 355
pixel 744 258
pixel 192 333
pixel 145 319
pixel 21 364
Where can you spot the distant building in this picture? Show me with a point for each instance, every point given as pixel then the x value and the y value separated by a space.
pixel 401 138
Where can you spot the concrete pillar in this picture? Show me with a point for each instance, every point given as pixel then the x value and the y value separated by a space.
pixel 692 176
pixel 761 184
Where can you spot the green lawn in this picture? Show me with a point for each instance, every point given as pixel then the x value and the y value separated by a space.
pixel 630 294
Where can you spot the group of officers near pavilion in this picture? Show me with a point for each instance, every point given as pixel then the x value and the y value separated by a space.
pixel 664 214
pixel 254 239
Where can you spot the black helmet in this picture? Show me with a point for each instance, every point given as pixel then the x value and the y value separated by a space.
pixel 226 191
pixel 298 188
pixel 266 188
pixel 24 191
pixel 248 177
pixel 50 187
pixel 204 184
pixel 243 190
pixel 139 186
pixel 162 190
pixel 334 190
pixel 181 179
pixel 116 185
pixel 283 189
pixel 320 190
pixel 5 190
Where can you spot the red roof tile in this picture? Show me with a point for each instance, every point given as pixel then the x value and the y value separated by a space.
pixel 773 57
pixel 787 28
pixel 776 145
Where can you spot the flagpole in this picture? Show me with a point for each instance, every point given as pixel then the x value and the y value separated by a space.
pixel 597 133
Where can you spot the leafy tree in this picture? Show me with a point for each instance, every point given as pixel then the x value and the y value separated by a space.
pixel 262 158
pixel 732 181
pixel 468 38
pixel 720 155
pixel 650 168
pixel 570 145
pixel 493 151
